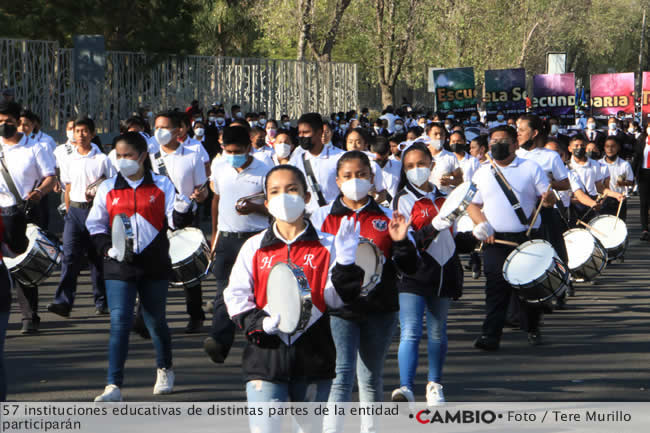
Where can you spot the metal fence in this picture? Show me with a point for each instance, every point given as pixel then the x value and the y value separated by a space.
pixel 42 75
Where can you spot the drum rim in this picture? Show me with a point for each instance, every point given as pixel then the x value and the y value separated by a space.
pixel 380 260
pixel 509 259
pixel 304 294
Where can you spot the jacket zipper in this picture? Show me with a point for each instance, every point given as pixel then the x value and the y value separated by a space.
pixel 135 209
pixel 289 336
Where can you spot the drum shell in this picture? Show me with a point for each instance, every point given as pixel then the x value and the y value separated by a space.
pixel 190 271
pixel 38 263
pixel 594 265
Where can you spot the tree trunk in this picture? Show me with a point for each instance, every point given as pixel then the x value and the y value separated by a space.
pixel 305 27
pixel 386 94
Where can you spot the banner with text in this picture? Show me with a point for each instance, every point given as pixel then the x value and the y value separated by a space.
pixel 645 100
pixel 455 89
pixel 611 93
pixel 555 95
pixel 505 90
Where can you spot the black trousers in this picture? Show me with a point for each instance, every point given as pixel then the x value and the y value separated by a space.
pixel 610 207
pixel 498 293
pixel 226 251
pixel 644 196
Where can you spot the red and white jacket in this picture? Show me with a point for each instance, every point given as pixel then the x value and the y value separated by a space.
pixel 374 221
pixel 149 204
pixel 308 354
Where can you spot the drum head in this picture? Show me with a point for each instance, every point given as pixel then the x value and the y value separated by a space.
pixel 464 224
pixel 184 243
pixel 32 233
pixel 283 297
pixel 579 246
pixel 454 199
pixel 366 260
pixel 615 236
pixel 118 236
pixel 528 262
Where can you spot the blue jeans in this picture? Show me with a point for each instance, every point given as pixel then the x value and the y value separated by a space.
pixel 361 349
pixel 410 318
pixel 4 322
pixel 121 300
pixel 271 394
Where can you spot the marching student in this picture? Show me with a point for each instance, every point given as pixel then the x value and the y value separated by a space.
pixel 363 330
pixel 390 168
pixel 12 243
pixel 86 165
pixel 507 218
pixel 184 126
pixel 282 147
pixel 28 174
pixel 479 148
pixel 446 173
pixel 468 164
pixel 151 204
pixel 185 168
pixel 359 139
pixel 279 367
pixel 235 176
pixel 621 176
pixel 642 174
pixel 437 280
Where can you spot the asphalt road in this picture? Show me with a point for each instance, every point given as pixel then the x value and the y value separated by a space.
pixel 596 350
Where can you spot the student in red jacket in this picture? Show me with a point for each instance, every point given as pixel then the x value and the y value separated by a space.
pixel 363 330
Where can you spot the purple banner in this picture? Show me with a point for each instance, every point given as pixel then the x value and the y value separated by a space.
pixel 555 95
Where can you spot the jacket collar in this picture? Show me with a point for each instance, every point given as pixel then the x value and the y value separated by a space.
pixel 270 238
pixel 417 192
pixel 338 208
pixel 121 183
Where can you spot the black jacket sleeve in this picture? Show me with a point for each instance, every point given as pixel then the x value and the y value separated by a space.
pixel 251 323
pixel 102 243
pixel 182 220
pixel 424 237
pixel 347 281
pixel 405 256
pixel 15 226
pixel 465 242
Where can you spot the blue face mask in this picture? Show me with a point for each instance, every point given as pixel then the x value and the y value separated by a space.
pixel 450 116
pixel 473 118
pixel 236 160
pixel 500 116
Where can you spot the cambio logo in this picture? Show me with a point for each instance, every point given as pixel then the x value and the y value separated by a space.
pixel 457 417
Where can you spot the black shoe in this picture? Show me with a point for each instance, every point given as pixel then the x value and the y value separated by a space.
pixel 561 304
pixel 214 350
pixel 62 309
pixel 476 274
pixel 101 311
pixel 30 326
pixel 645 236
pixel 141 329
pixel 194 326
pixel 486 343
pixel 535 338
pixel 514 324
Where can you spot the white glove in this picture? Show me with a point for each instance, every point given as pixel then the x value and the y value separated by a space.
pixel 439 223
pixel 112 253
pixel 482 231
pixel 181 204
pixel 347 241
pixel 270 324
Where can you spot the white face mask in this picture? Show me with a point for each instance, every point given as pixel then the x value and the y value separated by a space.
pixel 398 127
pixel 262 122
pixel 252 123
pixel 356 189
pixel 70 135
pixel 287 125
pixel 239 115
pixel 127 167
pixel 554 129
pixel 163 136
pixel 591 125
pixel 611 126
pixel 436 144
pixel 418 175
pixel 287 207
pixel 283 150
pixel 199 132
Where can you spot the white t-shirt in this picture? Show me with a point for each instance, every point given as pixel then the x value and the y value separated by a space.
pixel 324 168
pixel 184 168
pixel 197 146
pixel 616 169
pixel 549 160
pixel 589 173
pixel 528 182
pixel 28 163
pixel 468 165
pixel 79 171
pixel 445 163
pixel 230 186
pixel 391 175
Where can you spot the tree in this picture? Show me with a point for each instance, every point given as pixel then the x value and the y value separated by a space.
pixel 320 49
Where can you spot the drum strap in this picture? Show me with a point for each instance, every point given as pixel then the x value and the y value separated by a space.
pixel 8 180
pixel 312 180
pixel 160 164
pixel 512 198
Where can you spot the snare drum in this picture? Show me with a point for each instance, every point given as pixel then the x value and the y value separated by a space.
pixel 289 296
pixel 587 257
pixel 614 239
pixel 536 272
pixel 371 260
pixel 190 255
pixel 457 201
pixel 38 261
pixel 123 238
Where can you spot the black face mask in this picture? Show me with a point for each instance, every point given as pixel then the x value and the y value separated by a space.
pixel 7 130
pixel 500 150
pixel 593 155
pixel 528 144
pixel 579 152
pixel 305 143
pixel 458 147
pixel 260 143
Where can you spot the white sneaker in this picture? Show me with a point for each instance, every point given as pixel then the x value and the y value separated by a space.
pixel 403 395
pixel 435 396
pixel 111 393
pixel 164 381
